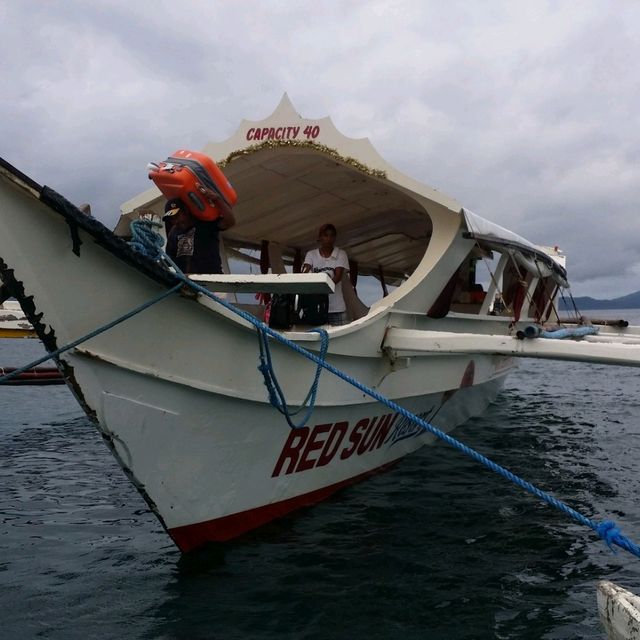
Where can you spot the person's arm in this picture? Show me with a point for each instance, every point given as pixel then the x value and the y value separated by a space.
pixel 306 268
pixel 227 220
pixel 337 274
pixel 341 267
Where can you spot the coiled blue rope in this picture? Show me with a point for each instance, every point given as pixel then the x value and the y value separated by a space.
pixel 145 240
pixel 607 530
pixel 276 395
pixel 534 331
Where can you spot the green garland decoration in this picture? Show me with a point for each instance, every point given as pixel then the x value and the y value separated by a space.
pixel 308 144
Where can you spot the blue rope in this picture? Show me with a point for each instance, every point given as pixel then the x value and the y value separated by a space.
pixel 534 331
pixel 145 240
pixel 92 334
pixel 276 395
pixel 607 530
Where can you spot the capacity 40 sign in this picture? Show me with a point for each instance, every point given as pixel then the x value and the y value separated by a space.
pixel 310 132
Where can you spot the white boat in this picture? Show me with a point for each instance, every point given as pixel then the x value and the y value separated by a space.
pixel 175 390
pixel 619 611
pixel 13 322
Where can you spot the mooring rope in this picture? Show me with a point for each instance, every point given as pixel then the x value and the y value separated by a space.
pixel 607 530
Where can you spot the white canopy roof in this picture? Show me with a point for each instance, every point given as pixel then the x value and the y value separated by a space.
pixel 293 174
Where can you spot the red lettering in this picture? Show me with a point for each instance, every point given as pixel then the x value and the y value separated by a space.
pixel 311 132
pixel 291 450
pixel 313 444
pixel 333 443
pixel 368 437
pixel 354 438
pixel 383 431
pixel 281 133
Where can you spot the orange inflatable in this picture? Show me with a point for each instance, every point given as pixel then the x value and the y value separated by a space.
pixel 187 175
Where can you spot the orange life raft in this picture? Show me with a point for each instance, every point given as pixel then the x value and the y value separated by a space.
pixel 186 175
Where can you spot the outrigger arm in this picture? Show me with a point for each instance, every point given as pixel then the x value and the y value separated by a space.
pixel 602 349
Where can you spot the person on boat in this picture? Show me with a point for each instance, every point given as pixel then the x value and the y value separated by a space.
pixel 194 245
pixel 330 259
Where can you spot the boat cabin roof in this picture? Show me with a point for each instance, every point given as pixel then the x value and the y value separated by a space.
pixel 286 193
pixel 293 174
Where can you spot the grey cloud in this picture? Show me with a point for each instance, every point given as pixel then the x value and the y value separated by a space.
pixel 527 114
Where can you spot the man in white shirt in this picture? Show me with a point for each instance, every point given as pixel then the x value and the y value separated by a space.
pixel 333 261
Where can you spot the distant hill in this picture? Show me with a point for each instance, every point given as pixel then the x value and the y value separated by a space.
pixel 631 301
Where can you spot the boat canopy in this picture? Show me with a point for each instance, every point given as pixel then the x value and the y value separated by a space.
pixel 294 174
pixel 528 255
pixel 286 193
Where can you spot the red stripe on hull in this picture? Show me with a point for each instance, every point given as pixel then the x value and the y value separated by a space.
pixel 222 529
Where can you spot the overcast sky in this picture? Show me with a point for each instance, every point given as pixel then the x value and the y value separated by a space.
pixel 527 112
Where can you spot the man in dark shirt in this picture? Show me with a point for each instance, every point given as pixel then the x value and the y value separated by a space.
pixel 194 245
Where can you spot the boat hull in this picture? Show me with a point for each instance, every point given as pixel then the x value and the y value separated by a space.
pixel 213 467
pixel 176 393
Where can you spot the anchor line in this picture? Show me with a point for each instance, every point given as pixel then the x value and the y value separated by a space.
pixel 607 530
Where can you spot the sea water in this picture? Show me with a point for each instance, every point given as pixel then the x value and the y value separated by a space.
pixel 436 548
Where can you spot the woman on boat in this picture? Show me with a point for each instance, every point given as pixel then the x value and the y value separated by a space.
pixel 330 259
pixel 194 245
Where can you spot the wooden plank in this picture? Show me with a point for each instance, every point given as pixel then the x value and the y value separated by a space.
pixel 266 283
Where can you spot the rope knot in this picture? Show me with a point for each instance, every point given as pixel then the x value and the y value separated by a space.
pixel 610 533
